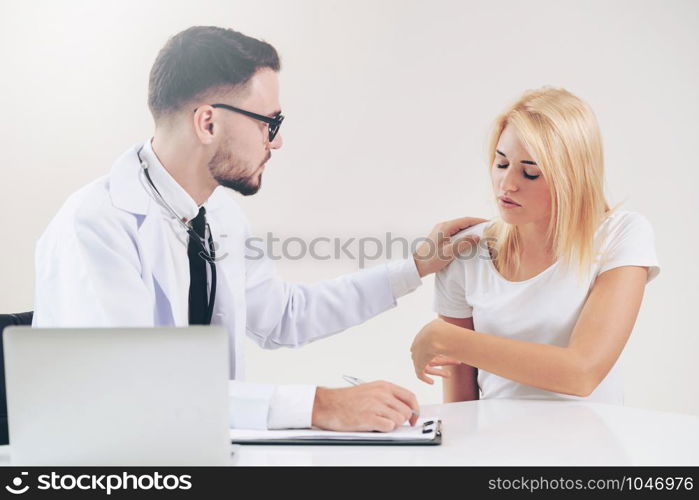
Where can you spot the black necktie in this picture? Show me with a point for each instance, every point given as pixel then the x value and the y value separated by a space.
pixel 198 293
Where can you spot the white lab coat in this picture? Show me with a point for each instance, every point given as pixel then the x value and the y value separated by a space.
pixel 103 262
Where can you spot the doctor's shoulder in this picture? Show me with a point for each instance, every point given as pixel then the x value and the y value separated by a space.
pixel 87 219
pixel 91 206
pixel 79 201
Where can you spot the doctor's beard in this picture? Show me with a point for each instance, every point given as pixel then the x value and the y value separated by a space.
pixel 227 176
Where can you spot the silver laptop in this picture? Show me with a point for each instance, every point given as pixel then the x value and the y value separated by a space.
pixel 117 396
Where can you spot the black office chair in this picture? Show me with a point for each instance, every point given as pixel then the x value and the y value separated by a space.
pixel 24 318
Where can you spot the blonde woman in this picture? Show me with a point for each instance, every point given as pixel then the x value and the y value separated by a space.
pixel 545 307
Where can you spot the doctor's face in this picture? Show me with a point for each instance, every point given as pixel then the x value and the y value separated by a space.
pixel 244 148
pixel 520 190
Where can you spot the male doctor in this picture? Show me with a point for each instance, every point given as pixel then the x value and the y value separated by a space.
pixel 158 242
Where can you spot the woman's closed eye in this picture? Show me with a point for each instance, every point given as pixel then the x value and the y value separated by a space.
pixel 528 176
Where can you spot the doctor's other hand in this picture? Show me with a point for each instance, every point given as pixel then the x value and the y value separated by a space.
pixel 374 406
pixel 438 249
pixel 427 352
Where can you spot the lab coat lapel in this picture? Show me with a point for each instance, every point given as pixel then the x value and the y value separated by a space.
pixel 157 253
pixel 126 184
pixel 129 193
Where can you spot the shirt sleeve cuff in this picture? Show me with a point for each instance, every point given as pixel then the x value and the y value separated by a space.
pixel 249 404
pixel 403 276
pixel 291 407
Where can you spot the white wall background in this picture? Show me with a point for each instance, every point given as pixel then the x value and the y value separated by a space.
pixel 388 104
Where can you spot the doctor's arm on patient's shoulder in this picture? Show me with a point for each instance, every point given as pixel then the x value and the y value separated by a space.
pixel 600 333
pixel 283 314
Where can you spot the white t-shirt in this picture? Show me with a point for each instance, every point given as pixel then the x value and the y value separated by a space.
pixel 545 308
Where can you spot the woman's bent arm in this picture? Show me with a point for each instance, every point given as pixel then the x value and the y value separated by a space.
pixel 599 336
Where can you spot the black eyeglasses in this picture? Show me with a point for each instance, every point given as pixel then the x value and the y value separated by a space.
pixel 273 123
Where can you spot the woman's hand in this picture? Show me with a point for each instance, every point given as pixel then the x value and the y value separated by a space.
pixel 428 352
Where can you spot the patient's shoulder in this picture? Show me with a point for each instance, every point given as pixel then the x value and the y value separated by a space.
pixel 622 224
pixel 476 256
pixel 477 230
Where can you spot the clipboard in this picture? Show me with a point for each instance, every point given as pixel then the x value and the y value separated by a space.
pixel 427 432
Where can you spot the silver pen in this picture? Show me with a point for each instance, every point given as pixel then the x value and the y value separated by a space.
pixel 353 380
pixel 356 381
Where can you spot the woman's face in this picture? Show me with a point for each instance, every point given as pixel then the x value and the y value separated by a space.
pixel 521 192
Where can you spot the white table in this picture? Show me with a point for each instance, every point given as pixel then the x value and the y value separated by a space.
pixel 513 432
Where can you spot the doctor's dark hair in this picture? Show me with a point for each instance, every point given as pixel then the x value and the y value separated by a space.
pixel 201 59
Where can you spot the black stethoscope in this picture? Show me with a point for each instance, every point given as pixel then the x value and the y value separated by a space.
pixel 208 255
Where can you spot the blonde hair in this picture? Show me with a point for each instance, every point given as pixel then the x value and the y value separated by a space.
pixel 561 133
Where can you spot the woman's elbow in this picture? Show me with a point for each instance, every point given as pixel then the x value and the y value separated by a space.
pixel 585 381
pixel 584 388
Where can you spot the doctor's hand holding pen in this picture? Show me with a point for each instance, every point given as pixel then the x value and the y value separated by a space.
pixel 374 406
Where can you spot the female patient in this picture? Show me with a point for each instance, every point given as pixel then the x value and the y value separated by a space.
pixel 546 306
